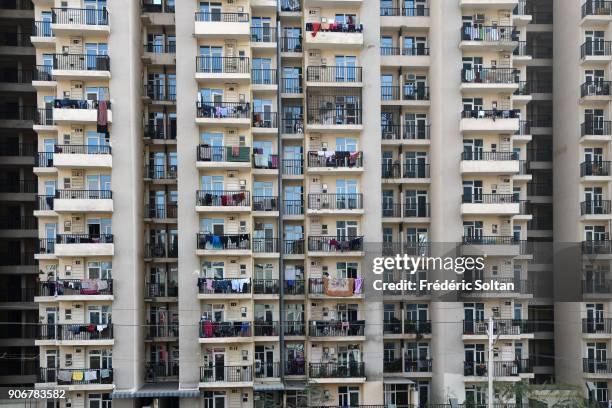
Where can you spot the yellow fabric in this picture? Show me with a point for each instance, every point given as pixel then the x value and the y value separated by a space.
pixel 77 376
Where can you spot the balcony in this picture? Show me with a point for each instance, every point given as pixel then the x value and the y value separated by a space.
pixel 266 287
pixel 333 35
pixel 334 162
pixel 490 204
pixel 76 376
pixel 223 69
pixel 597 367
pixel 409 94
pixel 539 189
pixel 292 87
pixel 223 113
pixel 335 287
pixel 293 208
pixel 160 251
pixel 510 368
pixel 223 157
pixel 67 111
pixel 223 244
pixel 265 123
pixel 597 325
pixel 152 6
pixel 335 246
pixel 267 369
pixel 157 133
pixel 596 11
pixel 490 121
pixel 81 66
pixel 159 94
pixel 407 212
pixel 595 170
pixel 264 79
pixel 397 134
pixel 292 168
pixel 596 209
pixel 344 203
pixel 492 245
pixel 265 206
pixel 224 288
pixel 226 331
pixel 263 37
pixel 502 38
pixel 223 201
pixel 77 289
pixel 334 119
pixel 490 80
pixel 79 156
pixel 211 375
pixel 594 130
pixel 75 334
pixel 265 247
pixel 161 290
pixel 597 51
pixel 333 76
pixel 397 17
pixel 346 371
pixel 159 53
pixel 406 173
pixel 265 329
pixel 160 173
pixel 79 201
pixel 293 248
pixel 325 328
pixel 161 371
pixel 291 46
pixel 479 162
pixel 295 287
pixel 77 21
pixel 407 365
pixel 216 24
pixel 595 91
pixel 501 327
pixel 494 5
pixel 84 245
pixel 161 212
pixel 597 247
pixel 15 39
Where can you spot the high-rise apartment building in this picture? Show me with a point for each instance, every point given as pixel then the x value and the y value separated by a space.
pixel 212 174
pixel 18 272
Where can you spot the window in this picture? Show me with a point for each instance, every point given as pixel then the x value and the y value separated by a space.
pixel 213 270
pixel 348 396
pixel 100 401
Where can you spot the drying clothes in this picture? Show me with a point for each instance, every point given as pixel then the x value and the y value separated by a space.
pixel 341 287
pixel 77 376
pixel 91 375
pixel 91 328
pixel 102 285
pixel 101 327
pixel 209 284
pixel 104 373
pixel 102 118
pixel 358 284
pixel 64 375
pixel 207 328
pixel 261 160
pixel 315 29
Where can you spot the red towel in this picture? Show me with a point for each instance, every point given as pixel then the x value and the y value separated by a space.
pixel 315 29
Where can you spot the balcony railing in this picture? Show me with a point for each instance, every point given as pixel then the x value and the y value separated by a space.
pixel 45 246
pixel 16 76
pixel 160 48
pixel 496 156
pixel 489 33
pixel 345 201
pixel 295 367
pixel 223 110
pixel 229 374
pixel 595 207
pixel 265 245
pixel 211 286
pixel 223 198
pixel 81 62
pixel 265 203
pixel 82 149
pixel 159 132
pixel 291 6
pixel 351 27
pixel 332 74
pixel 597 325
pixel 75 376
pixel 537 188
pixel 263 76
pixel 596 128
pixel 161 371
pixel 16 5
pixel 293 246
pixel 265 329
pixel 336 370
pixel 263 34
pixel 293 167
pixel 84 239
pixel 224 153
pixel 597 88
pixel 160 92
pixel 222 65
pixel 266 120
pixel 18 186
pixel 74 194
pixel 293 207
pixel 161 211
pixel 43 73
pixel 409 209
pixel 596 8
pixel 323 328
pixel 292 85
pixel 292 126
pixel 407 170
pixel 215 16
pixel 479 198
pixel 26 113
pixel 419 11
pixel 510 368
pixel 209 329
pixel 266 286
pixel 404 93
pixel 408 51
pixel 597 366
pixel 596 48
pixel 491 114
pixel 490 76
pixel 595 168
pixel 490 240
pixel 502 327
pixel 339 115
pixel 267 369
pixel 161 250
pixel 336 159
pixel 17 149
pixel 69 287
pixel 335 244
pixel 422 365
pixel 224 241
pixel 291 44
pixel 148 6
pixel 77 331
pixel 160 172
pixel 80 16
pixel 153 290
pixel 597 246
pixel 406 131
pixel 295 287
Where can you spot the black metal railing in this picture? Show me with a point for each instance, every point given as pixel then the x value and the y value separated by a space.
pixel 159 132
pixel 80 16
pixel 596 88
pixel 42 29
pixel 595 207
pixel 597 246
pixel 160 371
pixel 597 325
pixel 67 287
pixel 421 365
pixel 75 376
pixel 84 239
pixel 18 186
pixel 43 73
pixel 267 120
pixel 265 203
pixel 408 92
pixel 335 243
pixel 595 168
pixel 75 194
pixel 596 48
pixel 417 326
pixel 160 92
pixel 209 329
pixel 224 153
pixel 263 76
pixel 160 172
pixel 43 116
pixel 82 149
pixel 510 368
pixel 223 110
pixel 596 8
pixel 44 202
pixel 224 198
pixel 223 241
pixel 148 6
pixel 222 65
pixel 154 290
pixel 76 331
pixel 211 286
pixel 596 366
pixel 293 167
pixel 539 188
pixel 342 73
pixel 23 222
pixel 161 211
pixel 336 370
pixel 295 287
pixel 343 201
pixel 502 327
pixel 292 85
pixel 293 207
pixel 291 44
pixel 230 374
pixel 408 170
pixel 161 250
pixel 324 328
pixel 67 103
pixel 419 11
pixel 216 16
pixel 490 76
pixel 160 48
pixel 265 328
pixel 265 245
pixel 293 246
pixel 334 116
pixel 17 149
pixel 267 369
pixel 479 198
pixel 336 159
pixel 489 33
pixel 266 287
pixel 81 62
pixel 496 156
pixel 489 240
pixel 491 114
pixel 263 34
pixel 596 128
pixel 15 39
pixel 294 126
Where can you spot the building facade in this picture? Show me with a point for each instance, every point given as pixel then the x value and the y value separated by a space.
pixel 213 175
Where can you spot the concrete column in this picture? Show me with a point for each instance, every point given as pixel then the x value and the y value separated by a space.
pixel 124 45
